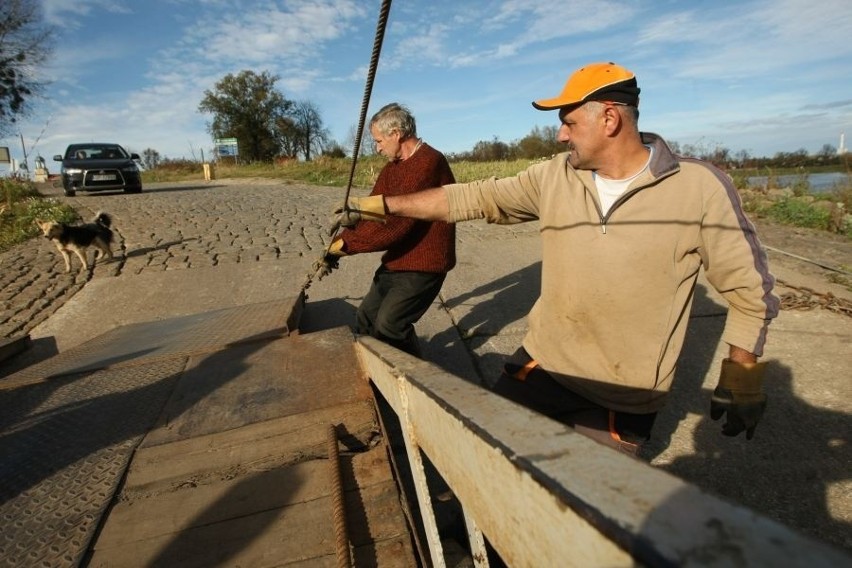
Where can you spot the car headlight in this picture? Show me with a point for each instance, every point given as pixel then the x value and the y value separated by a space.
pixel 72 171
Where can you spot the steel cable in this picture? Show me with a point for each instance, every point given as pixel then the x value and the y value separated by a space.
pixel 365 103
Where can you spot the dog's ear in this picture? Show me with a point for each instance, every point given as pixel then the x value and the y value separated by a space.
pixel 38 222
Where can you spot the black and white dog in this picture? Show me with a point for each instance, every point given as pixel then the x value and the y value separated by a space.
pixel 77 238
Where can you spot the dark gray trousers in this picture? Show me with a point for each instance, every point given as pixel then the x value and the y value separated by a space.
pixel 395 301
pixel 524 382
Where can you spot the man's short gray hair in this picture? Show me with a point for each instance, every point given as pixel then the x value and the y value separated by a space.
pixel 395 116
pixel 629 113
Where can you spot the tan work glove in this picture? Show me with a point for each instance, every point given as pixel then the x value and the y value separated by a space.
pixel 371 208
pixel 324 266
pixel 740 394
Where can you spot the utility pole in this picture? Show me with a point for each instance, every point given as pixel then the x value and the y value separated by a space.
pixel 26 166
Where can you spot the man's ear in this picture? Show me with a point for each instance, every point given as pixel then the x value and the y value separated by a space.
pixel 612 119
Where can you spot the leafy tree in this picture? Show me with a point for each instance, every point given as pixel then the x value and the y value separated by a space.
pixel 308 124
pixel 334 150
pixel 247 107
pixel 25 44
pixel 150 158
pixel 492 151
pixel 539 143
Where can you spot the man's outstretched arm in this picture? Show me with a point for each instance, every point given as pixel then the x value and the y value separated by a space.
pixel 429 205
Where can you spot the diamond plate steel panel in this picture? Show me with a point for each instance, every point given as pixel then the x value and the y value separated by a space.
pixel 65 445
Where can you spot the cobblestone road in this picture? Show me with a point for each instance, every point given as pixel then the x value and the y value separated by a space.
pixel 167 227
pixel 178 227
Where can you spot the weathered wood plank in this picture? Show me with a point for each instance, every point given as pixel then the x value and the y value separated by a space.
pixel 137 518
pixel 258 446
pixel 294 533
pixel 572 501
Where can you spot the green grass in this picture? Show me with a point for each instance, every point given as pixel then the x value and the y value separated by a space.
pixel 21 206
pixel 331 172
pixel 798 213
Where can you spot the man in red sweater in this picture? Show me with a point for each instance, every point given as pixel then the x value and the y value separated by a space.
pixel 418 254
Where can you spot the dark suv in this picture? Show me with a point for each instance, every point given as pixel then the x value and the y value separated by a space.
pixel 99 166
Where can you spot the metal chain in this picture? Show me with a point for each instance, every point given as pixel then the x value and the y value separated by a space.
pixel 803 298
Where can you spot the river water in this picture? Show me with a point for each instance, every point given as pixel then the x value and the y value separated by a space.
pixel 819 183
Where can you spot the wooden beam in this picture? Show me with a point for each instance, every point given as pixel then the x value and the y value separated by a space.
pixel 544 495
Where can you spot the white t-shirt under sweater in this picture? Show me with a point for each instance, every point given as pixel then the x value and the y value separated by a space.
pixel 609 190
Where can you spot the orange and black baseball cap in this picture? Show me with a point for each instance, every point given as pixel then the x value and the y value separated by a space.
pixel 595 82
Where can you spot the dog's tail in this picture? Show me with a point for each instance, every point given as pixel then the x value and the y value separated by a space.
pixel 103 219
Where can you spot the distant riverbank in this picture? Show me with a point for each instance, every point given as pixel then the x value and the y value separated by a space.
pixel 818 182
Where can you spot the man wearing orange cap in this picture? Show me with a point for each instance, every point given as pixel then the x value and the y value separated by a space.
pixel 625 227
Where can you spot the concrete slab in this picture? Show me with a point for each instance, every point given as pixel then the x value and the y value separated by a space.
pixel 107 303
pixel 796 468
pixel 163 339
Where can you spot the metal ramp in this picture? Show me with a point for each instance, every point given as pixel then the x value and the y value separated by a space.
pixel 196 441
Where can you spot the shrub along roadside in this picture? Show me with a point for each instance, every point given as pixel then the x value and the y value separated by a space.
pixel 828 211
pixel 21 206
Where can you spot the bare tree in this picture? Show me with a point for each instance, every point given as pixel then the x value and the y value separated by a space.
pixel 367 147
pixel 287 135
pixel 743 158
pixel 25 44
pixel 308 123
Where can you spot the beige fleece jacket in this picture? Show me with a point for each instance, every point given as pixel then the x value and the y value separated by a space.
pixel 616 291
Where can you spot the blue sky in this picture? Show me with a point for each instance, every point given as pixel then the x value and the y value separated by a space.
pixel 757 75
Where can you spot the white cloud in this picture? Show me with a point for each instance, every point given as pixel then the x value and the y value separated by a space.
pixel 68 13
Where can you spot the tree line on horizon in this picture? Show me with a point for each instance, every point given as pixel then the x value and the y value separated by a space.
pixel 541 142
pixel 246 106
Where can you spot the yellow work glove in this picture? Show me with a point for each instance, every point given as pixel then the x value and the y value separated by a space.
pixel 370 208
pixel 329 262
pixel 740 394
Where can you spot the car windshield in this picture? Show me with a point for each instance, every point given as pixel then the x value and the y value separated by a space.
pixel 96 152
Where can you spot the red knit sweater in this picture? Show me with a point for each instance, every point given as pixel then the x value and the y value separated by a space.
pixel 410 245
